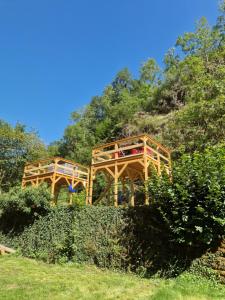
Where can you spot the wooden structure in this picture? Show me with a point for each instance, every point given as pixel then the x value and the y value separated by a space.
pixel 56 172
pixel 6 250
pixel 130 158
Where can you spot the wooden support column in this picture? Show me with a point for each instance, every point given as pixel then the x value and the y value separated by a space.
pixel 53 184
pixel 116 178
pixel 146 172
pixel 89 200
pixel 87 189
pixel 116 186
pixel 132 192
pixel 158 161
pixel 53 188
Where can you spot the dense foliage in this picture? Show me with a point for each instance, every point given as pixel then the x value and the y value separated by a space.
pixel 16 148
pixel 20 207
pixel 192 202
pixel 126 239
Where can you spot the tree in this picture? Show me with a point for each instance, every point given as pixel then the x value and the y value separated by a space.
pixel 220 24
pixel 201 42
pixel 150 72
pixel 191 203
pixel 16 148
pixel 196 126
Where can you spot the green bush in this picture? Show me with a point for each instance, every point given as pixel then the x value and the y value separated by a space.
pixel 98 236
pixel 85 234
pixel 192 203
pixel 20 207
pixel 50 237
pixel 127 239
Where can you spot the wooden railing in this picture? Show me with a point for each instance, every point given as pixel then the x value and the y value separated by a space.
pixel 132 147
pixel 55 165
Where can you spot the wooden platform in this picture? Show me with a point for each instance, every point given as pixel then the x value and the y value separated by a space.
pixel 130 158
pixel 56 172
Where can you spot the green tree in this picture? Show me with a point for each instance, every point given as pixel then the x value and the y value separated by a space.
pixel 16 148
pixel 191 203
pixel 196 126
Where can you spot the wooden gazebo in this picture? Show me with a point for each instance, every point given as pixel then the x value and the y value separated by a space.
pixel 56 172
pixel 129 158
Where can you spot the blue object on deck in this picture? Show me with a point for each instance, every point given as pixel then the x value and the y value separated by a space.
pixel 71 190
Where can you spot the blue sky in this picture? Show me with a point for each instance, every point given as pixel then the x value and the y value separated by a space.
pixel 56 54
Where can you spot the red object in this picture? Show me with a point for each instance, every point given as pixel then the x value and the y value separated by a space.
pixel 134 151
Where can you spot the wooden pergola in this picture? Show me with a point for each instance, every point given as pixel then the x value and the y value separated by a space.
pixel 56 172
pixel 131 158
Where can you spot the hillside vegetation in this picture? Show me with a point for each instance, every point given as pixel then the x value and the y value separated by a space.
pixel 176 235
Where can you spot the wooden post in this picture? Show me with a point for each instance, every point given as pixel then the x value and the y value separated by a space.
pixel 146 172
pixel 116 186
pixel 132 192
pixel 90 187
pixel 53 184
pixel 87 191
pixel 53 188
pixel 158 160
pixel 116 153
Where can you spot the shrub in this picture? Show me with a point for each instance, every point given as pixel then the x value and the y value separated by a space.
pixel 20 207
pixel 50 237
pixel 98 236
pixel 192 204
pixel 81 234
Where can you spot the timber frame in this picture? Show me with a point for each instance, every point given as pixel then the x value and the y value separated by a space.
pixel 56 172
pixel 128 159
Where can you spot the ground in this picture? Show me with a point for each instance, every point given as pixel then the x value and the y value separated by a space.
pixel 22 278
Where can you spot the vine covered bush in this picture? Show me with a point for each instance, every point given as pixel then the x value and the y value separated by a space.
pixel 98 236
pixel 50 237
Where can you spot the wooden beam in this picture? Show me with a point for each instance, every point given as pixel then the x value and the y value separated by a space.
pixel 132 192
pixel 146 173
pixel 4 249
pixel 121 171
pixel 116 186
pixel 110 172
pixel 90 186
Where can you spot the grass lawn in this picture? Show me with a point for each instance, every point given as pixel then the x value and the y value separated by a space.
pixel 22 278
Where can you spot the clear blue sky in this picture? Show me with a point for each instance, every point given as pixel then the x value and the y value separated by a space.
pixel 56 54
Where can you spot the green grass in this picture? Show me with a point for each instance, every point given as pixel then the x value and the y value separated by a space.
pixel 22 278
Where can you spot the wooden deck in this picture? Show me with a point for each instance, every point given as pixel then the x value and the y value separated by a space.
pixel 56 172
pixel 130 158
